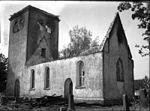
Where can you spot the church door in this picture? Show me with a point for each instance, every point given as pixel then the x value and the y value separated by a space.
pixel 68 88
pixel 17 89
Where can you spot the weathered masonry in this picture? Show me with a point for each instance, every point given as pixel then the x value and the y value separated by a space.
pixel 35 70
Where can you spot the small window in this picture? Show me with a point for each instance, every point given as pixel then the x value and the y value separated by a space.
pixel 15 27
pixel 80 74
pixel 47 77
pixel 48 29
pixel 120 35
pixel 43 52
pixel 119 70
pixel 32 79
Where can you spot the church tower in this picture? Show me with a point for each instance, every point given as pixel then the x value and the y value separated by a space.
pixel 33 39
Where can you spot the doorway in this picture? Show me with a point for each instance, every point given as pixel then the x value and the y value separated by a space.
pixel 68 88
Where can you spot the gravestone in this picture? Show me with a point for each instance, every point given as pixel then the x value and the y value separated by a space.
pixel 71 103
pixel 143 98
pixel 125 103
pixel 17 89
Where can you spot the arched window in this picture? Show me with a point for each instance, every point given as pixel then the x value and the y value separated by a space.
pixel 32 79
pixel 47 77
pixel 119 70
pixel 80 74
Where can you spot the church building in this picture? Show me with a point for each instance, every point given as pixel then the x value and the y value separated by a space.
pixel 98 75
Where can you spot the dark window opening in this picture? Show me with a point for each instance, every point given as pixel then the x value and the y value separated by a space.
pixel 47 78
pixel 43 52
pixel 32 79
pixel 120 35
pixel 119 70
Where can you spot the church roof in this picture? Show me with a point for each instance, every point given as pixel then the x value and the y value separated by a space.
pixel 29 7
pixel 100 48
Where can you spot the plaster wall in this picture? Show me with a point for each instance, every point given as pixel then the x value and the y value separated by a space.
pixel 60 70
pixel 130 82
pixel 16 54
pixel 37 34
pixel 113 50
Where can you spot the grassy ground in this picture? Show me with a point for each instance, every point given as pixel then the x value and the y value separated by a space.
pixel 28 107
pixel 55 103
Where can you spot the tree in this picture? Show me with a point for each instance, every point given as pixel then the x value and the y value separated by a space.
pixel 95 42
pixel 80 41
pixel 146 82
pixel 3 71
pixel 141 12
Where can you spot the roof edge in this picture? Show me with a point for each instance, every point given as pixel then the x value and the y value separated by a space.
pixel 29 7
pixel 117 16
pixel 108 32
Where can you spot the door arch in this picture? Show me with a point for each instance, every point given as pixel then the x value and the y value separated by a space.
pixel 17 88
pixel 68 88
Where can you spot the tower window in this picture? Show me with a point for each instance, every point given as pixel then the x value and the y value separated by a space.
pixel 47 78
pixel 120 35
pixel 32 79
pixel 43 52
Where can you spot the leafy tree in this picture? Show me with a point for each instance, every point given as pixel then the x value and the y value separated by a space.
pixel 3 71
pixel 95 42
pixel 146 82
pixel 80 42
pixel 141 12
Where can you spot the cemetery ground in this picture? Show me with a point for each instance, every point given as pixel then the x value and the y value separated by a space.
pixel 57 103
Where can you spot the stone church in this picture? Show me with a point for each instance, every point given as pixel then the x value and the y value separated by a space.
pixel 35 69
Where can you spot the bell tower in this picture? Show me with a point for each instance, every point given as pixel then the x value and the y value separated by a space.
pixel 42 40
pixel 33 39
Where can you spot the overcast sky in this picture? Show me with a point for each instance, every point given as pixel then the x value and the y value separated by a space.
pixel 95 16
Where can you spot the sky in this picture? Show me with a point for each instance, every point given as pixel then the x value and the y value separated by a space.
pixel 95 16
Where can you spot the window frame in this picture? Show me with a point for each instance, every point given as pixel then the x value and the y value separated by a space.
pixel 32 80
pixel 43 52
pixel 47 78
pixel 80 79
pixel 119 71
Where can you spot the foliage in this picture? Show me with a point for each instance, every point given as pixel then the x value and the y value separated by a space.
pixel 3 71
pixel 146 82
pixel 141 12
pixel 95 42
pixel 80 42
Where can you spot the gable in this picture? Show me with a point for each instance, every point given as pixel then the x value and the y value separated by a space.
pixel 115 25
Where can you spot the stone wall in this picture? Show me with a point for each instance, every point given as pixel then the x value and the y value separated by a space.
pixel 60 70
pixel 39 37
pixel 113 50
pixel 16 54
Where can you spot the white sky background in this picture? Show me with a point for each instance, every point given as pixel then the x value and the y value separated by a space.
pixel 95 16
